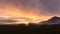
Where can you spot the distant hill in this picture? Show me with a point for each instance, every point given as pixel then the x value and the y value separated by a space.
pixel 53 20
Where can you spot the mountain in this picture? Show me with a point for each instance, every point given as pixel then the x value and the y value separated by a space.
pixel 53 20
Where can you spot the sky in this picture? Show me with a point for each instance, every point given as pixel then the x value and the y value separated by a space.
pixel 33 9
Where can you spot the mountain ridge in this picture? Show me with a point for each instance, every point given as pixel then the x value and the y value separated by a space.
pixel 53 20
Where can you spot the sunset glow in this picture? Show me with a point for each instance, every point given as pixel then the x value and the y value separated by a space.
pixel 32 11
pixel 13 12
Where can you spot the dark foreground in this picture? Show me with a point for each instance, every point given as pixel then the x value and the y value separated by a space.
pixel 30 29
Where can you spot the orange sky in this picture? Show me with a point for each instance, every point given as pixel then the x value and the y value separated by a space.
pixel 16 12
pixel 34 10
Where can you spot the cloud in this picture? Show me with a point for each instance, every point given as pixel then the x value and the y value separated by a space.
pixel 40 7
pixel 52 6
pixel 49 7
pixel 34 9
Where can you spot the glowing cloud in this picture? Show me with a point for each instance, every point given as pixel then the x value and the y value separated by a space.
pixel 33 10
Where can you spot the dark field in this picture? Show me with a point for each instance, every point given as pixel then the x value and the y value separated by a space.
pixel 30 29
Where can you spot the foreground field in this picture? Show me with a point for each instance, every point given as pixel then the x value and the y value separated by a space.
pixel 30 29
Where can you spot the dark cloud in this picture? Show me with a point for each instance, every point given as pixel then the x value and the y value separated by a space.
pixel 7 21
pixel 51 5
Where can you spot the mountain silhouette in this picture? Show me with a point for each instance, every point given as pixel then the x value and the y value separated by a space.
pixel 53 20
